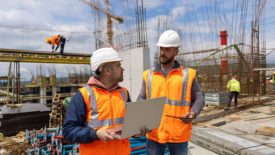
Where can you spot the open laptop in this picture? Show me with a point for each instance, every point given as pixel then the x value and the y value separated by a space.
pixel 140 115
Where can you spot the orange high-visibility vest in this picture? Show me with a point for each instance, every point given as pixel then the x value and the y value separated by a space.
pixel 177 89
pixel 55 39
pixel 104 110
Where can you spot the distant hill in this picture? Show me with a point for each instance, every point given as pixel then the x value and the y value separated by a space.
pixel 270 65
pixel 270 62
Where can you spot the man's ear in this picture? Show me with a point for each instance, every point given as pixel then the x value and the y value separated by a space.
pixel 108 70
pixel 177 50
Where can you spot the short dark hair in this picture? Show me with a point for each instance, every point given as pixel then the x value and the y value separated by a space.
pixel 97 72
pixel 106 65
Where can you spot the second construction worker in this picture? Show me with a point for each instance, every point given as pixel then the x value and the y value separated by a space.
pixel 99 106
pixel 184 98
pixel 62 44
pixel 54 40
pixel 234 88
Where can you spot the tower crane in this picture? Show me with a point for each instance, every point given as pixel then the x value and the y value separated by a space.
pixel 109 18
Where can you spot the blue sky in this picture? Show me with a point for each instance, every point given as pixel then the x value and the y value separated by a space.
pixel 25 24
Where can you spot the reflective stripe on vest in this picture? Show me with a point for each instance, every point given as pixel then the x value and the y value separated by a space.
pixel 184 87
pixel 181 102
pixel 94 122
pixel 150 76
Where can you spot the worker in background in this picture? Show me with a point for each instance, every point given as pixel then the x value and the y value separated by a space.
pixel 234 88
pixel 184 98
pixel 62 44
pixel 54 40
pixel 65 105
pixel 99 106
pixel 273 80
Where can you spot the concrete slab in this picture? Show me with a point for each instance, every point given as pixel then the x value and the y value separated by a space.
pixel 194 149
pixel 225 143
pixel 249 123
pixel 236 133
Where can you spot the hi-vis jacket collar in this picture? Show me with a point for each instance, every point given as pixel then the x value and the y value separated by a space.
pixel 95 82
pixel 157 68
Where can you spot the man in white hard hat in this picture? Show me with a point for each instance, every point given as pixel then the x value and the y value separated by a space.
pixel 99 106
pixel 184 98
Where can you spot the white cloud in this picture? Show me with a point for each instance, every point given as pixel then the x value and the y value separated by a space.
pixel 150 4
pixel 178 11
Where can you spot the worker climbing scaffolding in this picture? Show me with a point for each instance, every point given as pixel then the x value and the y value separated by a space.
pixel 273 80
pixel 54 40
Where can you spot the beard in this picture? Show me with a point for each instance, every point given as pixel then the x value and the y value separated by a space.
pixel 120 79
pixel 165 60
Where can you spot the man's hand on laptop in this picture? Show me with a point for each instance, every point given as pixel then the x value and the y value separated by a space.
pixel 104 135
pixel 143 131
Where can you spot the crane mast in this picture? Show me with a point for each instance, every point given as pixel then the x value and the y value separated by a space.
pixel 109 18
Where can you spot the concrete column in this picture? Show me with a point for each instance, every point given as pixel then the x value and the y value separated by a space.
pixel 53 84
pixel 135 61
pixel 54 90
pixel 43 93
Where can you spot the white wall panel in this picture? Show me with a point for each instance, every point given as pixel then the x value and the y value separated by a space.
pixel 135 61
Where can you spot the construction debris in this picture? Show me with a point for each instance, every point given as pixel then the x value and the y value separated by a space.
pixel 272 110
pixel 267 131
pixel 234 117
pixel 11 147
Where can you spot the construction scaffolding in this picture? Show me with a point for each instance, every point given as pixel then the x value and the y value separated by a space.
pixel 216 61
pixel 213 74
pixel 13 89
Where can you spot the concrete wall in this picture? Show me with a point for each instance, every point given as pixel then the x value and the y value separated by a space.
pixel 135 61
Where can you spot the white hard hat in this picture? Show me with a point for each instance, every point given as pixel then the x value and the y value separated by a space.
pixel 102 56
pixel 169 38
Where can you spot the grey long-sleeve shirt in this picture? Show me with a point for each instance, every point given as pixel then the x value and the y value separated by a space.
pixel 197 98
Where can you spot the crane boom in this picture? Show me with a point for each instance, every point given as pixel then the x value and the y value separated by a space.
pixel 118 18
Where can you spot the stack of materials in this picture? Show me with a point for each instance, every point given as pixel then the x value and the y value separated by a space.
pixel 19 117
pixel 49 141
pixel 216 98
pixel 56 114
pixel 138 146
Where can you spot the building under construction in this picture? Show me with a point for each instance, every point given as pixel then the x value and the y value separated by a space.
pixel 233 45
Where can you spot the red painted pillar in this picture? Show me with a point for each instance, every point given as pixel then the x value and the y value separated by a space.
pixel 223 36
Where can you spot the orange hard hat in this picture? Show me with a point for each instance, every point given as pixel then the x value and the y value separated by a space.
pixel 48 40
